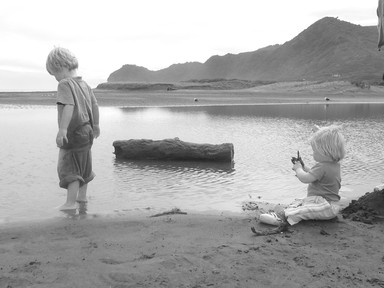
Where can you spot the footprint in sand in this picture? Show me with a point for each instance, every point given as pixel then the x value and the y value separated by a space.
pixel 140 281
pixel 121 277
pixel 110 261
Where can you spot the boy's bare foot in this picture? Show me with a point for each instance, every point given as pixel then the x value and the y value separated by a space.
pixel 67 206
pixel 83 208
pixel 82 195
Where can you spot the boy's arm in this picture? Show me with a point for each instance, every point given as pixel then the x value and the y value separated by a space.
pixel 66 117
pixel 96 115
pixel 302 175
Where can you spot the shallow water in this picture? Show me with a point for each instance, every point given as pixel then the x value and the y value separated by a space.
pixel 264 136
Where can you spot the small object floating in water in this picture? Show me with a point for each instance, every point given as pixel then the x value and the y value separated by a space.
pixel 195 99
pixel 326 99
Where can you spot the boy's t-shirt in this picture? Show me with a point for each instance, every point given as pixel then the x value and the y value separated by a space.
pixel 76 92
pixel 328 181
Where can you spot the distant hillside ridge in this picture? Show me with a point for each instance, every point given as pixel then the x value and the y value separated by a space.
pixel 329 49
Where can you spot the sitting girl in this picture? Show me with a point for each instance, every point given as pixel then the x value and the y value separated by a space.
pixel 323 181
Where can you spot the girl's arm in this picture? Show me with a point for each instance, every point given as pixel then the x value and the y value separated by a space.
pixel 303 175
pixel 306 168
pixel 66 117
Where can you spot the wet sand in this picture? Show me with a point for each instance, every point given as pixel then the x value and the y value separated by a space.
pixel 194 250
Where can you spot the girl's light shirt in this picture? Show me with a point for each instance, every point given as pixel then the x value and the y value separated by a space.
pixel 328 181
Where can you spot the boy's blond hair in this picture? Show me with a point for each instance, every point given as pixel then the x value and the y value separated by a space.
pixel 329 142
pixel 60 58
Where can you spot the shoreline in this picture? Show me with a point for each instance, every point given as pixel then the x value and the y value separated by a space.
pixel 278 93
pixel 197 249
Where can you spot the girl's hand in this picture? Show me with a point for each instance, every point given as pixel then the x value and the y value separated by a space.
pixel 297 165
pixel 96 131
pixel 61 138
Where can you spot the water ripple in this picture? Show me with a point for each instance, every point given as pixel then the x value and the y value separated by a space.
pixel 264 140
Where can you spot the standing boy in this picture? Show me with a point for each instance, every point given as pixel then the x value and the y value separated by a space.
pixel 78 119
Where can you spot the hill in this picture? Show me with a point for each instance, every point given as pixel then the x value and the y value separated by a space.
pixel 329 49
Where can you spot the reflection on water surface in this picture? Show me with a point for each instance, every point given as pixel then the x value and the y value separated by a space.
pixel 264 137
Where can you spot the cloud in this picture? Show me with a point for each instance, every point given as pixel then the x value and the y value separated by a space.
pixel 19 65
pixel 105 35
pixel 26 81
pixel 365 16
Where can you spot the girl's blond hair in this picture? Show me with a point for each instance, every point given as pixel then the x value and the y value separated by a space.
pixel 60 58
pixel 329 142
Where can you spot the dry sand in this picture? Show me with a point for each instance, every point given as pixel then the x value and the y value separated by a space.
pixel 195 250
pixel 190 251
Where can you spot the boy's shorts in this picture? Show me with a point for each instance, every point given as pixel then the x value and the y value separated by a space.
pixel 80 138
pixel 75 158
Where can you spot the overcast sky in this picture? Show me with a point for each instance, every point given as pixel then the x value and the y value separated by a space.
pixel 104 35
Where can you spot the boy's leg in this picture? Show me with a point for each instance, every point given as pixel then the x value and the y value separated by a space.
pixel 72 191
pixel 82 196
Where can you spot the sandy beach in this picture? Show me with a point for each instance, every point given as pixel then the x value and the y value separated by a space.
pixel 191 250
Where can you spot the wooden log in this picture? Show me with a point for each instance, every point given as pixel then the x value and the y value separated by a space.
pixel 172 149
